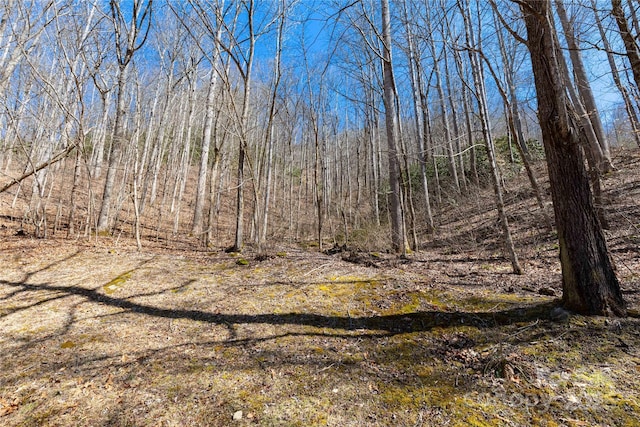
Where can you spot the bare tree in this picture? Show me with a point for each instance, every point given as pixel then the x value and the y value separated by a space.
pixel 241 51
pixel 584 87
pixel 444 116
pixel 615 75
pixel 21 26
pixel 481 98
pixel 130 35
pixel 270 125
pixel 630 44
pixel 208 20
pixel 514 122
pixel 398 238
pixel 420 110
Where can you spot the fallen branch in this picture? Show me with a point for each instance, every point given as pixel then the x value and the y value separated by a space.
pixel 61 155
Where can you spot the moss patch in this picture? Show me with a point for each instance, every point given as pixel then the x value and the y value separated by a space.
pixel 115 284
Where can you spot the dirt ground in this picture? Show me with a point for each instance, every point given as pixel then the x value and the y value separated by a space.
pixel 93 332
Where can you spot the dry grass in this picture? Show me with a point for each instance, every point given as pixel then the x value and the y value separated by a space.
pixel 93 336
pixel 95 333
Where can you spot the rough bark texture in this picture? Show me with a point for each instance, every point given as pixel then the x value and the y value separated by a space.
pixel 589 282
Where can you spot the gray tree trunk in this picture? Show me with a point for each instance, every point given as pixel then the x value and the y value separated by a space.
pixel 395 197
pixel 615 74
pixel 630 44
pixel 584 87
pixel 481 97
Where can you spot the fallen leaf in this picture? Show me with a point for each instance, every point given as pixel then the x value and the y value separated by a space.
pixel 7 407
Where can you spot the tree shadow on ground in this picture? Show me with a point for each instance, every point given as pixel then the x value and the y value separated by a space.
pixel 419 321
pixel 386 361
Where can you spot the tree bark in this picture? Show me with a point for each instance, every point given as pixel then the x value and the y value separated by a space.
pixel 584 87
pixel 481 96
pixel 419 108
pixel 633 51
pixel 198 211
pixel 590 285
pixel 615 74
pixel 395 200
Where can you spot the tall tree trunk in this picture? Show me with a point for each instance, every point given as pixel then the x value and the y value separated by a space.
pixel 419 108
pixel 201 188
pixel 615 74
pixel 262 233
pixel 129 37
pixel 481 97
pixel 633 50
pixel 100 136
pixel 584 87
pixel 590 285
pixel 318 179
pixel 114 155
pixel 244 130
pixel 395 200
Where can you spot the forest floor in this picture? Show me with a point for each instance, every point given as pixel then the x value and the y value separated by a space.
pixel 93 332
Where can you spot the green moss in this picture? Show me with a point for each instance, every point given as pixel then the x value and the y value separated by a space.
pixel 352 359
pixel 174 392
pixel 117 283
pixel 476 421
pixel 399 398
pixel 415 300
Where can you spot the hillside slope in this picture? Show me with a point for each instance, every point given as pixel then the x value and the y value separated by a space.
pixel 97 333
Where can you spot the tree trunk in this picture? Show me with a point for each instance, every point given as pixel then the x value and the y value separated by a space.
pixel 115 154
pixel 395 202
pixel 318 179
pixel 590 285
pixel 633 51
pixel 129 37
pixel 75 188
pixel 615 74
pixel 244 128
pixel 481 96
pixel 262 232
pixel 461 176
pixel 419 108
pixel 584 87
pixel 204 156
